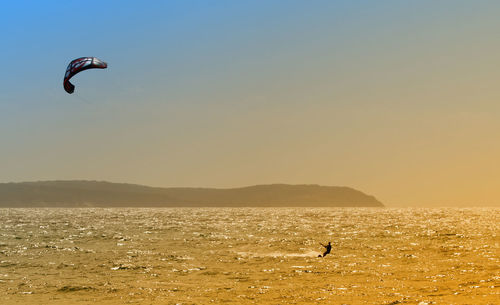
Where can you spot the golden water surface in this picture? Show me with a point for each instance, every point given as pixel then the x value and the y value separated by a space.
pixel 249 256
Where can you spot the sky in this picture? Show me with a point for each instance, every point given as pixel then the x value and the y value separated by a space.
pixel 398 99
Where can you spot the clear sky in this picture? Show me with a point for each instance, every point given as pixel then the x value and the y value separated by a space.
pixel 399 99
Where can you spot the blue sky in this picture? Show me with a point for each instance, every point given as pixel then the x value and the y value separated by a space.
pixel 398 99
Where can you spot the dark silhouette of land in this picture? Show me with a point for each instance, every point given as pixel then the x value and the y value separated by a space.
pixel 107 194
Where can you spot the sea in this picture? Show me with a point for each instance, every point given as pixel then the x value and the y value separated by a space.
pixel 249 256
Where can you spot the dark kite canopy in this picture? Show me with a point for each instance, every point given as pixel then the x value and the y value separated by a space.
pixel 78 65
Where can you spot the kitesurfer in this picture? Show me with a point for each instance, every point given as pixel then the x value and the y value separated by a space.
pixel 328 249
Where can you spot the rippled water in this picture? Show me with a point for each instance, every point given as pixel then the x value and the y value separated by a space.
pixel 247 255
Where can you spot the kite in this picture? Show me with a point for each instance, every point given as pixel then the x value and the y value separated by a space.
pixel 78 65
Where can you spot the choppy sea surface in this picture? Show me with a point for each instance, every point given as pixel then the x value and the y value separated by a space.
pixel 249 256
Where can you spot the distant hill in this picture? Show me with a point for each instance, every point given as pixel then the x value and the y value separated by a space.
pixel 107 194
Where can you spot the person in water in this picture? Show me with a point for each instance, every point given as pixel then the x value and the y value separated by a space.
pixel 328 249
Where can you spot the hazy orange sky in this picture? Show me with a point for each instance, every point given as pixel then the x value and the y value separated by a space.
pixel 400 100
